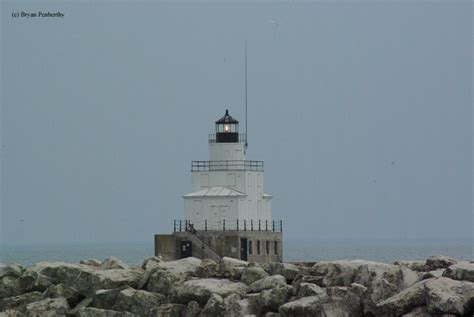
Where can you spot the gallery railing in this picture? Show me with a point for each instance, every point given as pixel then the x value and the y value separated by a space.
pixel 238 165
pixel 242 138
pixel 223 225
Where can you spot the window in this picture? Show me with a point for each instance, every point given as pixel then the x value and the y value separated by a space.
pixel 258 247
pixel 250 247
pixel 275 244
pixel 267 247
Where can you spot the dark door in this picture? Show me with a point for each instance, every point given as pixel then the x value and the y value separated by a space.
pixel 243 249
pixel 186 249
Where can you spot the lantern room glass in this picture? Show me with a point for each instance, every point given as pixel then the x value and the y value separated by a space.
pixel 227 127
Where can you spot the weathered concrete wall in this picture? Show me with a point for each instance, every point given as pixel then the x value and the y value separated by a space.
pixel 167 246
pixel 226 243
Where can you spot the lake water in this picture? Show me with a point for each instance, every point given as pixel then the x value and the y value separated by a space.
pixel 304 251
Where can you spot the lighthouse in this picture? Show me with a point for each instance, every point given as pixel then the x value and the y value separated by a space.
pixel 227 213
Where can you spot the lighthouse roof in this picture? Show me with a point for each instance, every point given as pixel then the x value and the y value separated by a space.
pixel 227 118
pixel 216 191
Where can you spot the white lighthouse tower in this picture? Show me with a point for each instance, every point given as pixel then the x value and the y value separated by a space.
pixel 227 189
pixel 227 213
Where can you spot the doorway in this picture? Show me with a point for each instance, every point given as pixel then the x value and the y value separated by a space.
pixel 243 249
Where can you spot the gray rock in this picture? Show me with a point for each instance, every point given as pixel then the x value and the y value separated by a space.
pixel 289 271
pixel 304 307
pixel 48 307
pixel 168 310
pixel 200 290
pixel 19 300
pixel 113 263
pixel 310 289
pixel 269 282
pixel 137 301
pixel 192 309
pixel 106 299
pixel 10 286
pixel 431 274
pixel 422 312
pixel 462 271
pixel 233 262
pixel 440 296
pixel 83 304
pixel 96 312
pixel 166 274
pixel 91 262
pixel 69 293
pixel 207 268
pixel 12 270
pixel 12 313
pixel 439 262
pixel 151 263
pixel 252 274
pixel 418 266
pixel 86 279
pixel 270 300
pixel 214 307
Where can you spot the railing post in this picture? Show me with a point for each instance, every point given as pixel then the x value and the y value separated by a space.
pixel 266 225
pixel 174 225
pixel 251 224
pixel 281 225
pixel 273 224
pixel 223 225
pixel 237 224
pixel 245 225
pixel 179 225
pixel 205 224
pixel 259 225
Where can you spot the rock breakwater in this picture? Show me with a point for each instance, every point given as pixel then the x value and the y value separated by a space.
pixel 192 287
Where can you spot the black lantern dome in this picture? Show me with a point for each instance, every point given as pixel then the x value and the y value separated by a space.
pixel 227 129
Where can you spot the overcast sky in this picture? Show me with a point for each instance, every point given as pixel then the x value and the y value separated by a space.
pixel 362 112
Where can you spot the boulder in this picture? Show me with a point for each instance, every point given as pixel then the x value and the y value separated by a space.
pixel 166 274
pixel 10 286
pixel 440 296
pixel 48 307
pixel 168 310
pixel 310 289
pixel 12 313
pixel 305 306
pixel 431 274
pixel 151 263
pixel 231 262
pixel 12 270
pixel 214 307
pixel 83 304
pixel 269 282
pixel 137 301
pixel 418 266
pixel 20 300
pixel 113 263
pixel 439 262
pixel 91 262
pixel 270 300
pixel 69 293
pixel 192 309
pixel 252 274
pixel 462 271
pixel 86 279
pixel 106 298
pixel 200 290
pixel 96 312
pixel 207 268
pixel 289 271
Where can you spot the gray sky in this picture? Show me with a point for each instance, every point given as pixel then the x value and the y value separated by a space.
pixel 362 112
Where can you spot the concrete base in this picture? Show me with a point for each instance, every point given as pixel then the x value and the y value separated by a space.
pixel 252 246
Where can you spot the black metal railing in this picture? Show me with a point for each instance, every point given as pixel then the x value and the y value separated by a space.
pixel 223 225
pixel 242 138
pixel 237 165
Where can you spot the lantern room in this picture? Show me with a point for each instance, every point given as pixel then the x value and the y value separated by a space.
pixel 227 129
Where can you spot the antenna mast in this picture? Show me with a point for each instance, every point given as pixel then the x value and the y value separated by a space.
pixel 246 133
